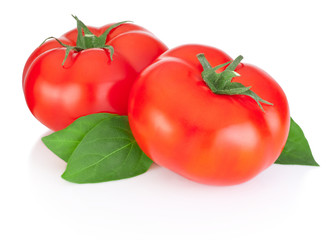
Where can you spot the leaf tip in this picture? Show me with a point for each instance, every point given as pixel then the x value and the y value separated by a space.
pixel 67 177
pixel 316 164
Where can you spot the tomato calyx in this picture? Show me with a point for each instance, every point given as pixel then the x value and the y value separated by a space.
pixel 87 39
pixel 221 83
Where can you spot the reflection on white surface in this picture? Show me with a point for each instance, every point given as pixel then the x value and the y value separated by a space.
pixel 160 192
pixel 44 163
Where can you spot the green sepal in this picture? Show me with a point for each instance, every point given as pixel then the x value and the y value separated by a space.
pixel 233 88
pixel 224 80
pixel 86 39
pixel 221 83
pixel 235 63
pixel 89 40
pixel 103 37
pixel 111 50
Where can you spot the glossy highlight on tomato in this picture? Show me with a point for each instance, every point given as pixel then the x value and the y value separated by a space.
pixel 89 81
pixel 206 137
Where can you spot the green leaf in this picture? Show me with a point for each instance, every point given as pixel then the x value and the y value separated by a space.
pixel 64 142
pixel 98 148
pixel 297 150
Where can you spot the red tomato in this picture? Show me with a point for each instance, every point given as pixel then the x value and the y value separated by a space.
pixel 89 82
pixel 206 137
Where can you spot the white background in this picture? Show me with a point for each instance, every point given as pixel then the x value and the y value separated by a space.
pixel 292 40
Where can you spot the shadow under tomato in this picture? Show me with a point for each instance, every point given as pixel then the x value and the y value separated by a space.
pixel 44 163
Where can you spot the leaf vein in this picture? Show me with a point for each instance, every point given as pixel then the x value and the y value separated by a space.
pixel 102 159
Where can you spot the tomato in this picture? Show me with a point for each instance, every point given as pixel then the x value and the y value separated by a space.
pixel 209 138
pixel 89 81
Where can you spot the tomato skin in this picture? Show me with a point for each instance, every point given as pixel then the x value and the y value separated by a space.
pixel 89 82
pixel 212 139
pixel 57 96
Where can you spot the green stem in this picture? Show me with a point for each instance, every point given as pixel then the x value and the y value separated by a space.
pixel 86 39
pixel 204 62
pixel 221 83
